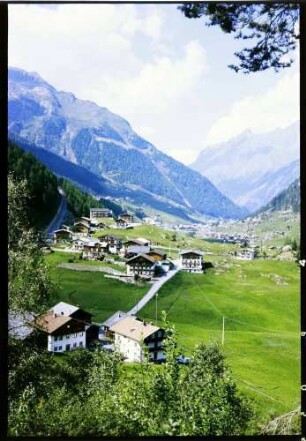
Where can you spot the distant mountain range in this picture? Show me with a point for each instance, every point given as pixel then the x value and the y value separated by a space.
pixel 289 199
pixel 99 151
pixel 253 168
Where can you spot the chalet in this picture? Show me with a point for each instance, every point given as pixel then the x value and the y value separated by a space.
pixel 140 265
pixel 126 217
pixel 84 220
pixel 131 334
pixel 157 255
pixel 67 327
pixel 191 261
pixel 100 213
pixel 81 227
pixel 121 223
pixel 78 243
pixel 134 250
pixel 92 250
pixel 114 243
pixel 62 236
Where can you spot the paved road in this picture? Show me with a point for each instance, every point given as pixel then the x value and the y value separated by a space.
pixel 58 219
pixel 154 288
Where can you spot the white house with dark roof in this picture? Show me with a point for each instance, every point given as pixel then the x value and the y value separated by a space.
pixel 130 334
pixel 141 265
pixel 191 261
pixel 67 327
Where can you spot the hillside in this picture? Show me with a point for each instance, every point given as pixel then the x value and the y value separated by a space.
pixel 104 144
pixel 253 168
pixel 43 187
pixel 289 199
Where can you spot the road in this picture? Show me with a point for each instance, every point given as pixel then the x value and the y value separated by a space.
pixel 154 288
pixel 58 219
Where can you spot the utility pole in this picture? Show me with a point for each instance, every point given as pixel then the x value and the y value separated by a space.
pixel 156 295
pixel 223 331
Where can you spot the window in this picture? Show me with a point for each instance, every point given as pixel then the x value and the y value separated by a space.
pixel 81 334
pixel 81 344
pixel 60 337
pixel 67 336
pixel 75 335
pixel 74 345
pixel 55 338
pixel 55 348
pixel 60 348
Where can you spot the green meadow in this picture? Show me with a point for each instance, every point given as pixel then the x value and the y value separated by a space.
pixel 260 303
pixel 259 300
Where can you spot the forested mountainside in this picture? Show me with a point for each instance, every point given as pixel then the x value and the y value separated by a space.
pixel 43 187
pixel 289 199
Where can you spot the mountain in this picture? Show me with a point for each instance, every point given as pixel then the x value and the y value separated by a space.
pixel 253 168
pixel 289 199
pixel 104 144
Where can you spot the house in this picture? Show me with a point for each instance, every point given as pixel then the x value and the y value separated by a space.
pixel 121 223
pixel 126 217
pixel 81 227
pixel 113 242
pixel 83 219
pixel 134 250
pixel 78 244
pixel 141 265
pixel 143 241
pixel 92 250
pixel 99 213
pixel 67 327
pixel 130 334
pixel 191 261
pixel 62 236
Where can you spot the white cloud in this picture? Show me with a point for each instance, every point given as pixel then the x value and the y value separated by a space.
pixel 276 107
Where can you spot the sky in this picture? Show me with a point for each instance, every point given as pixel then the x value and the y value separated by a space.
pixel 165 74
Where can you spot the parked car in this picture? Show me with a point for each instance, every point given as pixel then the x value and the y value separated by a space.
pixel 183 360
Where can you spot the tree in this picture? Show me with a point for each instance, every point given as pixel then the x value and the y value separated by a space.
pixel 271 25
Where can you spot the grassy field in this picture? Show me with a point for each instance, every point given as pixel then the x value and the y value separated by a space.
pixel 93 291
pixel 260 302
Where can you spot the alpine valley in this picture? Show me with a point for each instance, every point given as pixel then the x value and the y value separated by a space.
pixel 100 152
pixel 251 169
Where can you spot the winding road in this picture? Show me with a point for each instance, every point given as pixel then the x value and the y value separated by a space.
pixel 58 219
pixel 154 288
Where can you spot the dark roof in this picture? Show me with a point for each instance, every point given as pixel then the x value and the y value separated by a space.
pixel 145 256
pixel 199 253
pixel 160 252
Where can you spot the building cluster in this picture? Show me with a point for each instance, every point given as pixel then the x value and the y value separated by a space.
pixel 66 327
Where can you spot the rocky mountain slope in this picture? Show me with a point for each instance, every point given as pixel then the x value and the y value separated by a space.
pixel 105 145
pixel 253 168
pixel 289 199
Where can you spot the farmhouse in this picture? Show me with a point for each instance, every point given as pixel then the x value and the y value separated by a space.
pixel 81 227
pixel 78 244
pixel 191 261
pixel 114 243
pixel 140 265
pixel 126 217
pixel 134 250
pixel 67 327
pixel 83 219
pixel 92 250
pixel 100 213
pixel 246 255
pixel 62 235
pixel 121 223
pixel 130 334
pixel 112 320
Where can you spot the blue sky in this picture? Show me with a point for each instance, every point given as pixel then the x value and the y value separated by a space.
pixel 166 74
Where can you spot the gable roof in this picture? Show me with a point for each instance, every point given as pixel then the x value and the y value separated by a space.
pixel 145 256
pixel 50 323
pixel 159 252
pixel 199 253
pixel 63 230
pixel 65 308
pixel 119 315
pixel 132 328
pixel 138 249
pixel 82 224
